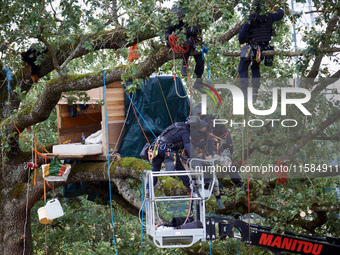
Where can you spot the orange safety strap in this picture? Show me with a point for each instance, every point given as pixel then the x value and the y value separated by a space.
pixel 27 142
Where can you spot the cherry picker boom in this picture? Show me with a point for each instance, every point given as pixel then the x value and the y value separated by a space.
pixel 186 231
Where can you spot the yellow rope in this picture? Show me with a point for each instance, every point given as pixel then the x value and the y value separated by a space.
pixel 166 104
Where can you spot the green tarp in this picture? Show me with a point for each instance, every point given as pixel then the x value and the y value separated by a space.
pixel 150 103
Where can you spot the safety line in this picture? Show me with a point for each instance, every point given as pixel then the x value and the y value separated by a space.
pixel 248 178
pixel 122 129
pixel 109 168
pixel 27 195
pixel 133 108
pixel 26 141
pixel 177 49
pixel 166 104
pixel 138 110
pixel 141 242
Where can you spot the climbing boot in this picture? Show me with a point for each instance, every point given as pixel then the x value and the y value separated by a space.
pixel 198 84
pixel 184 71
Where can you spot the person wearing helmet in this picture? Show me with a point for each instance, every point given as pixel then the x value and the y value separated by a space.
pixel 203 144
pixel 193 36
pixel 168 144
pixel 224 140
pixel 256 33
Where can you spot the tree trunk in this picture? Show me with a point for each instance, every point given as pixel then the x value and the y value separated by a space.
pixel 15 224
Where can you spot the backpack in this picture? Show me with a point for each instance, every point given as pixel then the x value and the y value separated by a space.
pixel 171 130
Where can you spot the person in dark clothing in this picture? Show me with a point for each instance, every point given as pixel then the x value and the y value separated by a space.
pixel 192 38
pixel 221 133
pixel 203 144
pixel 167 145
pixel 257 33
pixel 29 57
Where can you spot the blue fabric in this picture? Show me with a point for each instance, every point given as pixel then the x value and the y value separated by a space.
pixel 9 77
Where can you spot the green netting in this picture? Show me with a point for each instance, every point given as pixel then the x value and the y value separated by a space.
pixel 150 103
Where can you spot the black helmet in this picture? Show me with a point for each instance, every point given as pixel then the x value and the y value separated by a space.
pixel 194 123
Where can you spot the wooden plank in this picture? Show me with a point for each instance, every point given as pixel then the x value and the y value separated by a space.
pixel 59 120
pixel 115 84
pixel 96 157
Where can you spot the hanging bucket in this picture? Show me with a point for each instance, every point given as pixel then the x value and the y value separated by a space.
pixel 43 216
pixel 54 209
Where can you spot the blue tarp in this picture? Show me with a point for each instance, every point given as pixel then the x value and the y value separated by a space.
pixel 150 103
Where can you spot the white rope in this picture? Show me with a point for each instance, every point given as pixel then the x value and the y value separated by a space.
pixel 173 54
pixel 27 195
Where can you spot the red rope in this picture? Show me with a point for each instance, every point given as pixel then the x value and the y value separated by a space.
pixel 176 48
pixel 138 119
pixel 27 142
pixel 248 178
pixel 281 174
pixel 35 160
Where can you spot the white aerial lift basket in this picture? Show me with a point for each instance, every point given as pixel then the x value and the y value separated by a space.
pixel 186 234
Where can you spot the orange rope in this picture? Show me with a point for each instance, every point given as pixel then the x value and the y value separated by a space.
pixel 27 142
pixel 138 120
pixel 49 185
pixel 178 49
pixel 248 177
pixel 44 191
pixel 35 160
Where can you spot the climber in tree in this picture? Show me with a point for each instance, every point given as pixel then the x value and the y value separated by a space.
pixel 193 37
pixel 30 56
pixel 257 33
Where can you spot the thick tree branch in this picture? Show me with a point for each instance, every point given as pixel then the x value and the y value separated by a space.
pixel 52 92
pixel 282 53
pixel 332 24
pixel 230 33
pixel 324 83
pixel 332 138
pixel 303 141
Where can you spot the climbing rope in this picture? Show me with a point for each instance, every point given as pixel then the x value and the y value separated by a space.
pixel 175 48
pixel 27 195
pixel 122 129
pixel 27 142
pixel 109 168
pixel 143 199
pixel 138 111
pixel 248 180
pixel 166 104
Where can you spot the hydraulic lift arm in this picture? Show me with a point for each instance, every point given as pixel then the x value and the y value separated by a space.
pixel 261 236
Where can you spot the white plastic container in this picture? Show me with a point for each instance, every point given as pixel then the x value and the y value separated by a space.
pixel 43 216
pixel 54 209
